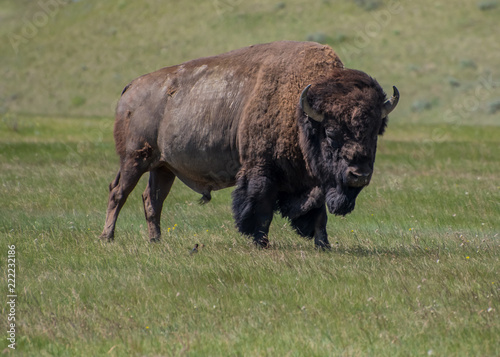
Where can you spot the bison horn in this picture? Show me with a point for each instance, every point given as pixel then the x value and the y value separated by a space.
pixel 306 108
pixel 391 103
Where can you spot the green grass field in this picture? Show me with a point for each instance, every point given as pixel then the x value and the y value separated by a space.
pixel 414 270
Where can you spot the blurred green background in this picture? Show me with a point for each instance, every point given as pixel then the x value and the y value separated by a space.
pixel 73 58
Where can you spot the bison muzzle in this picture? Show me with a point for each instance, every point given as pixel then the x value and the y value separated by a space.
pixel 285 122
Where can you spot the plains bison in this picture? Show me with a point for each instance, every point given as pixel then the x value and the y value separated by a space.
pixel 285 122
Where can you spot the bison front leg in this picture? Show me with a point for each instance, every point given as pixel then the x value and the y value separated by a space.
pixel 320 234
pixel 160 182
pixel 313 224
pixel 253 208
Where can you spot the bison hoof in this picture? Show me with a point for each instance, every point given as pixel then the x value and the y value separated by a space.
pixel 261 243
pixel 106 238
pixel 154 240
pixel 323 246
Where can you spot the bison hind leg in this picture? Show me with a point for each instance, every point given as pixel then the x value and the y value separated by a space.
pixel 133 165
pixel 205 198
pixel 160 182
pixel 119 189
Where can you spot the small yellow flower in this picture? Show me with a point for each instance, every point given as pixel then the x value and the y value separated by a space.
pixel 147 326
pixel 168 229
pixel 467 257
pixel 207 230
pixel 175 225
pixel 352 230
pixel 409 229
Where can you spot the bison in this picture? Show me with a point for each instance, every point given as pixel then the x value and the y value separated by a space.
pixel 285 122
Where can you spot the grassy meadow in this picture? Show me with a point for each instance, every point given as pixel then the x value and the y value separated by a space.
pixel 414 270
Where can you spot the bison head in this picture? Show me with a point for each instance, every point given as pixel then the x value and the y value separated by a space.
pixel 340 119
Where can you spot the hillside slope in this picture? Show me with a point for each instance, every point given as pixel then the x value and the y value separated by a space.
pixel 61 57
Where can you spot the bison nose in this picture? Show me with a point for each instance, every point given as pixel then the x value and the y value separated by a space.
pixel 358 178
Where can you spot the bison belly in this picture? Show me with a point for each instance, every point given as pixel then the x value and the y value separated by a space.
pixel 198 135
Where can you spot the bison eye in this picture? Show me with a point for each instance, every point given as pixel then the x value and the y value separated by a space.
pixel 334 144
pixel 332 139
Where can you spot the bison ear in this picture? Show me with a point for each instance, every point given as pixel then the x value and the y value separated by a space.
pixel 391 103
pixel 306 108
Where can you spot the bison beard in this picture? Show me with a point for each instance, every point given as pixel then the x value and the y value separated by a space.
pixel 340 198
pixel 341 203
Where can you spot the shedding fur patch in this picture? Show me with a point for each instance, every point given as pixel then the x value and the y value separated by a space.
pixel 143 154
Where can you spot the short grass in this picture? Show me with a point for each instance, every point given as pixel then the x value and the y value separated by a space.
pixel 413 270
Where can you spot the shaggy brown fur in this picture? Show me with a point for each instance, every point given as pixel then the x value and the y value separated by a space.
pixel 235 119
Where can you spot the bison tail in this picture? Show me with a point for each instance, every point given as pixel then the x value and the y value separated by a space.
pixel 122 119
pixel 120 131
pixel 125 89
